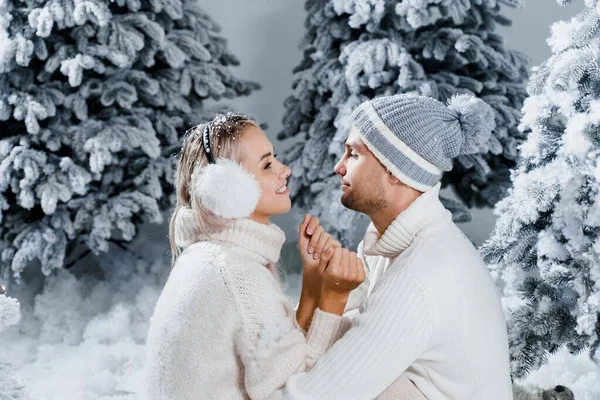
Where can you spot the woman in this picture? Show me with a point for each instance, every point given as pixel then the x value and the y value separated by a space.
pixel 223 327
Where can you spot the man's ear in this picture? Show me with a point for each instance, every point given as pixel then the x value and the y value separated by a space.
pixel 391 178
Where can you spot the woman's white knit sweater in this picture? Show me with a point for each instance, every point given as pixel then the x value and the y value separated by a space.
pixel 223 328
pixel 429 312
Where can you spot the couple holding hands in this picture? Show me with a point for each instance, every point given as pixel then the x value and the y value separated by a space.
pixel 412 314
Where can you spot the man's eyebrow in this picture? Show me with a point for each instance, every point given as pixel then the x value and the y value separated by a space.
pixel 355 145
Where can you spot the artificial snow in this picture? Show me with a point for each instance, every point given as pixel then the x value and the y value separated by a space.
pixel 83 339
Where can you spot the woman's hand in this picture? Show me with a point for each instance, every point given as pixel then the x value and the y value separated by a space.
pixel 342 271
pixel 312 242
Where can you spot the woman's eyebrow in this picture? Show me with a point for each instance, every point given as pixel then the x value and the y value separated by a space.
pixel 264 156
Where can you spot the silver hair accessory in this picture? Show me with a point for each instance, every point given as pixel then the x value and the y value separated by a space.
pixel 206 144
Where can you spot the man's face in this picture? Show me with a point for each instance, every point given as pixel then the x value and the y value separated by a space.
pixel 363 177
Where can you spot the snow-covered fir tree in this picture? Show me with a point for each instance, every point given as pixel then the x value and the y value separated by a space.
pixel 355 50
pixel 11 386
pixel 94 97
pixel 545 248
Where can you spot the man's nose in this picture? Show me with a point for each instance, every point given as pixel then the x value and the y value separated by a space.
pixel 339 168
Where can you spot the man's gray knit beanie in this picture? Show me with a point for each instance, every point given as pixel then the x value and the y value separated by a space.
pixel 416 137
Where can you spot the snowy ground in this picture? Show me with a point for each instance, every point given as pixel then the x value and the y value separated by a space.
pixel 84 339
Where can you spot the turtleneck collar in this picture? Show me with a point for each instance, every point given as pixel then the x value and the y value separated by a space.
pixel 262 242
pixel 426 209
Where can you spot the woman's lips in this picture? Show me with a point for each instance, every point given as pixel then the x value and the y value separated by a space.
pixel 283 190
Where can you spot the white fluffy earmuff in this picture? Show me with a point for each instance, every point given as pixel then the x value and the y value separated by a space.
pixel 226 189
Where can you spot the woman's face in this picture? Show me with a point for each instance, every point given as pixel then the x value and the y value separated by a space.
pixel 259 159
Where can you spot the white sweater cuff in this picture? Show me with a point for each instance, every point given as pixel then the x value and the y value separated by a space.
pixel 402 389
pixel 325 329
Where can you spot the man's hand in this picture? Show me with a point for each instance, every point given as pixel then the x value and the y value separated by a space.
pixel 342 271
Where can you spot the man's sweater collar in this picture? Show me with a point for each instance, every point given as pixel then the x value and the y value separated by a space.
pixel 425 210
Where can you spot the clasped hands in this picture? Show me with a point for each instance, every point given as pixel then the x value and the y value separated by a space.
pixel 330 272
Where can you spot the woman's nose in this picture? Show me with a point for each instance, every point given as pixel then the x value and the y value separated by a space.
pixel 285 171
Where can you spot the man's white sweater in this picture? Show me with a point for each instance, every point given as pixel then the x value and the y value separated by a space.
pixel 429 312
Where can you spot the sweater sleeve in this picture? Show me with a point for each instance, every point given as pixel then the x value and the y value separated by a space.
pixel 269 342
pixel 385 339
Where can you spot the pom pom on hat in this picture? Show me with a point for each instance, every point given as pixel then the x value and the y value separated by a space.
pixel 226 189
pixel 476 119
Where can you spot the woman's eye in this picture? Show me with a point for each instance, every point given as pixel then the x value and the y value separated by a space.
pixel 353 154
pixel 268 165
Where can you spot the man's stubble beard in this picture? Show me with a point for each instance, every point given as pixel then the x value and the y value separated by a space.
pixel 355 200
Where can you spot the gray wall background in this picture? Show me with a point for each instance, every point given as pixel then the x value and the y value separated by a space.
pixel 264 35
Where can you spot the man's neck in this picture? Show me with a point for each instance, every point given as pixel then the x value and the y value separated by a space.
pixel 384 217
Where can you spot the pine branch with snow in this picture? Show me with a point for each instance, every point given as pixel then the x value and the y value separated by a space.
pixel 94 98
pixel 544 251
pixel 9 311
pixel 355 50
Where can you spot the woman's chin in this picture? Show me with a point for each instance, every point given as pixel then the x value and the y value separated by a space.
pixel 287 207
pixel 284 205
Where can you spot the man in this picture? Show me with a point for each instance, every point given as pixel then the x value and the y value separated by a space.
pixel 429 310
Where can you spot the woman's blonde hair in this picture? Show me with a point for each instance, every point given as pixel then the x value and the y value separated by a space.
pixel 225 131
